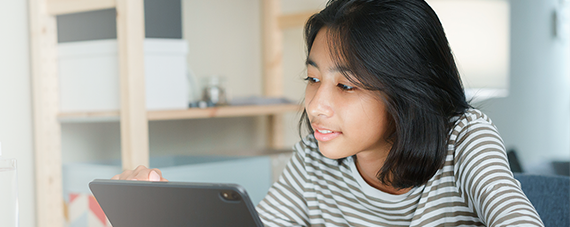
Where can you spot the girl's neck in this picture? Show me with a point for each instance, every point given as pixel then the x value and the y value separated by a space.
pixel 368 166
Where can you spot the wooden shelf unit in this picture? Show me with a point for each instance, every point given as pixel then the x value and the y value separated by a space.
pixel 133 116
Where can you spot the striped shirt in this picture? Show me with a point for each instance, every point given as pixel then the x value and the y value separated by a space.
pixel 475 187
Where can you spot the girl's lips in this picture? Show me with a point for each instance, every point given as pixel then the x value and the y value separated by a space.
pixel 326 136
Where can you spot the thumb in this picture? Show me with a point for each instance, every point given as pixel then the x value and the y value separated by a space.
pixel 153 176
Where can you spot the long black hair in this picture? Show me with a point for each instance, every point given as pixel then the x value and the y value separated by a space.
pixel 399 48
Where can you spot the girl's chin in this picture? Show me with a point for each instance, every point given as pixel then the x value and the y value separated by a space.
pixel 332 153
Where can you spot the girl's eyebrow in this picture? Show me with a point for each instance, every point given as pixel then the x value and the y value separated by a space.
pixel 340 69
pixel 311 63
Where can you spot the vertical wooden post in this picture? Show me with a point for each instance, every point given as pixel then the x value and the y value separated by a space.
pixel 134 124
pixel 272 49
pixel 273 66
pixel 47 131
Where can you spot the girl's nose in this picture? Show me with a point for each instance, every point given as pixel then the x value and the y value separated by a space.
pixel 320 103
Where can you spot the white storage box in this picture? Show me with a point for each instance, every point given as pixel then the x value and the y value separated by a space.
pixel 253 173
pixel 89 75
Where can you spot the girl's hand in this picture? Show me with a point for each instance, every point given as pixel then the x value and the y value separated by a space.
pixel 140 173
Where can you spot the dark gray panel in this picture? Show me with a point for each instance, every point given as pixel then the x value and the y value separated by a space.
pixel 163 19
pixel 93 25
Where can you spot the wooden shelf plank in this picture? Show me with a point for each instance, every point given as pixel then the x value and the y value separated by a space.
pixel 195 113
pixel 88 116
pixel 295 20
pixel 58 7
pixel 225 111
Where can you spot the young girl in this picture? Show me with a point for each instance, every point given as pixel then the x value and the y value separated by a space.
pixel 392 140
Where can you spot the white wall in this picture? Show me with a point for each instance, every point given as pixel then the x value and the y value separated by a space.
pixel 535 118
pixel 15 101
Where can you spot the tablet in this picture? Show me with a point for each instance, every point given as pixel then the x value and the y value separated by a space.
pixel 144 203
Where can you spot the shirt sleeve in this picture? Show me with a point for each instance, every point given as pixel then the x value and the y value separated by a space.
pixel 483 175
pixel 284 204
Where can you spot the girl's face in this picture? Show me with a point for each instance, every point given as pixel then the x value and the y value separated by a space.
pixel 347 120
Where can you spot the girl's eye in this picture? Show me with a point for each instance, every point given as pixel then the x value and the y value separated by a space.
pixel 312 79
pixel 345 87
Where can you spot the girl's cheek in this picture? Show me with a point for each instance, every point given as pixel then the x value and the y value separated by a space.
pixel 309 94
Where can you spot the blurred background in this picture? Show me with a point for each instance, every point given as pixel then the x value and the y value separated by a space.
pixel 224 37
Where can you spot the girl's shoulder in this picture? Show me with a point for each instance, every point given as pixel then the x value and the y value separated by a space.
pixel 471 120
pixel 474 134
pixel 471 116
